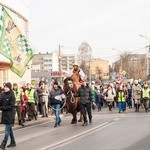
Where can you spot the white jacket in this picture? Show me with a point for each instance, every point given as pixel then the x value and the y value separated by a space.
pixel 81 73
pixel 110 95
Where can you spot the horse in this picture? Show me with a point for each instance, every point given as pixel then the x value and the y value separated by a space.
pixel 72 102
pixel 77 81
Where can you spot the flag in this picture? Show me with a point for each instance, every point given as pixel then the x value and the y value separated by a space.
pixel 13 44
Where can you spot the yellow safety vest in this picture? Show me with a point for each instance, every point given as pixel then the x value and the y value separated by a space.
pixel 30 95
pixel 121 96
pixel 146 92
pixel 17 95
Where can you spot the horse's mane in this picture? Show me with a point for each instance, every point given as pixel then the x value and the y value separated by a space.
pixel 66 88
pixel 67 79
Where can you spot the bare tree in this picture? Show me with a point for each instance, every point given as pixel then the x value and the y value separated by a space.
pixel 133 64
pixel 98 73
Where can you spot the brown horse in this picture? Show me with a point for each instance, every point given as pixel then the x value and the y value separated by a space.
pixel 72 102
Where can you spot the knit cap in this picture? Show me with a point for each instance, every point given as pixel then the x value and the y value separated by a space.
pixel 9 85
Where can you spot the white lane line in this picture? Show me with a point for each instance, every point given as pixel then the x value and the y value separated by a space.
pixel 77 136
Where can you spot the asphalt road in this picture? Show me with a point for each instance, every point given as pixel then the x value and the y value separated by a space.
pixel 109 131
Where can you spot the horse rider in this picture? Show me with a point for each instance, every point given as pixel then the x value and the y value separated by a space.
pixel 77 71
pixel 145 95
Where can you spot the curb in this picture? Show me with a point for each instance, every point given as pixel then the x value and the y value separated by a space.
pixel 16 127
pixel 31 123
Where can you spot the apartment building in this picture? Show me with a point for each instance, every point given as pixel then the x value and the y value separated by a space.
pixel 51 66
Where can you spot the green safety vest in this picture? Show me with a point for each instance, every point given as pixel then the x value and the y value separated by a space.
pixel 146 92
pixel 30 95
pixel 121 96
pixel 17 95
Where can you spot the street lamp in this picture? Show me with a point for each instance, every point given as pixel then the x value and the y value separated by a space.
pixel 59 63
pixel 90 70
pixel 147 53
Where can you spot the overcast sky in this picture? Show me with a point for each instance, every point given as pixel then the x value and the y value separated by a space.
pixel 104 24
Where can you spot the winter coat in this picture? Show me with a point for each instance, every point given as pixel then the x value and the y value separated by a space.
pixel 53 96
pixel 136 91
pixel 43 94
pixel 7 104
pixel 86 94
pixel 110 95
pixel 24 103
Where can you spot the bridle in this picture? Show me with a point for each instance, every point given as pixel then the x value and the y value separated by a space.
pixel 70 93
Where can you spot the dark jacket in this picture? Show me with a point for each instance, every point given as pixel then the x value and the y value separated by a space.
pixel 7 104
pixel 53 93
pixel 86 94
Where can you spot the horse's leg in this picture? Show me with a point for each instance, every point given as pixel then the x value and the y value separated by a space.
pixel 81 117
pixel 74 119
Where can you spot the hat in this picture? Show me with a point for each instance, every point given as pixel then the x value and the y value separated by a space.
pixel 135 81
pixel 93 82
pixel 75 64
pixel 9 85
pixel 146 85
pixel 55 83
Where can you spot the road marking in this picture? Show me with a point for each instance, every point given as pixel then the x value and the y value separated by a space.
pixel 55 145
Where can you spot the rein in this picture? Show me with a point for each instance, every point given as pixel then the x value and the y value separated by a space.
pixel 72 100
pixel 61 106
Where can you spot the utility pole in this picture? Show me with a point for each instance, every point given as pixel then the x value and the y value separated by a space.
pixel 59 63
pixel 90 71
pixel 147 53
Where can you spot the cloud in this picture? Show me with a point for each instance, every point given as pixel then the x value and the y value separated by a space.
pixel 107 24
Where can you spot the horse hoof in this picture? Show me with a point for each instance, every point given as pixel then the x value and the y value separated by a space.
pixel 73 122
pixel 79 120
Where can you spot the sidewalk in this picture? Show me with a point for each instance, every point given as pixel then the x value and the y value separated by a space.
pixel 39 120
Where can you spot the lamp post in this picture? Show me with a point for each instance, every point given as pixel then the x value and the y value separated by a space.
pixel 90 70
pixel 147 53
pixel 59 63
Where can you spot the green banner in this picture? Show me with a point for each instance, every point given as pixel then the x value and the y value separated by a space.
pixel 13 44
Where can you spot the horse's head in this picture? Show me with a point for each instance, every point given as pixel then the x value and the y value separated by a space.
pixel 69 85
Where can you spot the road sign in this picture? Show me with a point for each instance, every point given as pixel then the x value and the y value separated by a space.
pixel 124 72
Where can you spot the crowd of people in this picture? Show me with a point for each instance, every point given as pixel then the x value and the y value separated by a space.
pixel 123 95
pixel 28 102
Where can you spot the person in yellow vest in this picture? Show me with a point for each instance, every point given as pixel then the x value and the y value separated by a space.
pixel 145 95
pixel 32 101
pixel 121 97
pixel 18 101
